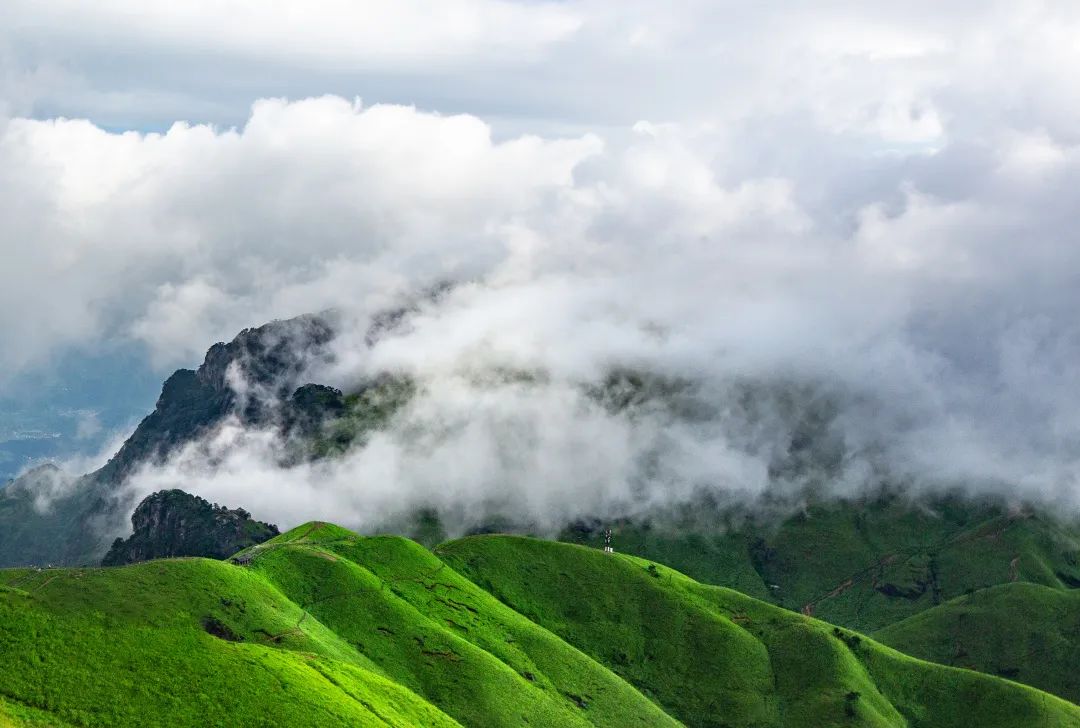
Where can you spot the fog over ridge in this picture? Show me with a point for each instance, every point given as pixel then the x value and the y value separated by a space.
pixel 871 226
pixel 507 421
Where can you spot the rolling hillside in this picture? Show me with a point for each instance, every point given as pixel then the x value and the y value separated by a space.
pixel 322 627
pixel 862 564
pixel 667 632
pixel 1026 632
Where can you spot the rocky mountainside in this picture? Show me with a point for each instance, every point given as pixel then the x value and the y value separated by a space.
pixel 247 377
pixel 44 520
pixel 862 563
pixel 174 523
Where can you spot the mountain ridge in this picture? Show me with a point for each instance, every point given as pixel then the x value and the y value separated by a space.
pixel 862 563
pixel 77 524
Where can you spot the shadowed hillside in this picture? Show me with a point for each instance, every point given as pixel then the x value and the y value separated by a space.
pixel 861 563
pixel 1025 632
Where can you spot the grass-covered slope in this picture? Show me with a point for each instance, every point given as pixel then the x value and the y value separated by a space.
pixel 863 564
pixel 322 627
pixel 443 637
pixel 1026 632
pixel 714 657
pixel 182 642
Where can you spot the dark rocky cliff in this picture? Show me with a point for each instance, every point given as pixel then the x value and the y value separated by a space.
pixel 174 523
pixel 249 377
pixel 252 377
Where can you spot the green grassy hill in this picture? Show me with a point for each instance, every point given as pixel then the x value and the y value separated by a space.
pixel 1026 632
pixel 175 643
pixel 300 636
pixel 322 627
pixel 687 645
pixel 862 564
pixel 442 636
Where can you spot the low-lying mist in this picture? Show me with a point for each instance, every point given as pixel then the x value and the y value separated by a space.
pixel 560 396
pixel 831 307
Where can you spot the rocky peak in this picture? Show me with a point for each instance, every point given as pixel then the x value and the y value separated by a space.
pixel 174 523
pixel 249 377
pixel 267 359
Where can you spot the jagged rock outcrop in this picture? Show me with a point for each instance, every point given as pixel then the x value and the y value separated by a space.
pixel 175 523
pixel 251 377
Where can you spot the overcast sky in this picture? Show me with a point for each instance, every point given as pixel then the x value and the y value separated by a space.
pixel 882 193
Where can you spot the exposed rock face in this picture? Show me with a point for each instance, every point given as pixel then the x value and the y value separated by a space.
pixel 175 523
pixel 251 377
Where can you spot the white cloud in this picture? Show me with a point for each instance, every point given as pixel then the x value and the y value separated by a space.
pixel 874 196
pixel 321 33
pixel 189 235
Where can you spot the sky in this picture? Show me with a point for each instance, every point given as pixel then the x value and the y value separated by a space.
pixel 875 198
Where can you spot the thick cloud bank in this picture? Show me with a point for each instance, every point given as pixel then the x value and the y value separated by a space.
pixel 182 238
pixel 940 328
pixel 870 212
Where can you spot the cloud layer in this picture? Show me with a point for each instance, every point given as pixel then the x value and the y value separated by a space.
pixel 870 201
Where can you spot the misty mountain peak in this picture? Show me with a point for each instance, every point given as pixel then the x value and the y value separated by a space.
pixel 245 377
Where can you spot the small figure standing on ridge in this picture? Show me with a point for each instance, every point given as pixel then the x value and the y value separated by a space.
pixel 607 542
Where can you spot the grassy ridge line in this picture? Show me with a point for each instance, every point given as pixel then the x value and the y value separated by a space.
pixel 863 565
pixel 134 645
pixel 922 693
pixel 131 646
pixel 1026 632
pixel 325 627
pixel 643 620
pixel 443 637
